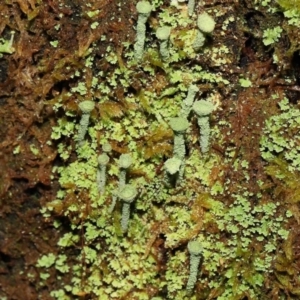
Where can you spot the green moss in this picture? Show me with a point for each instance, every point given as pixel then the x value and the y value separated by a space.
pixel 286 4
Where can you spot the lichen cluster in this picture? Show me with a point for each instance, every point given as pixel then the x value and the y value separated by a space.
pixel 162 190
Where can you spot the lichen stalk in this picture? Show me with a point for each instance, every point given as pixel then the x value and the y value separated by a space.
pixel 187 103
pixel 179 146
pixel 199 41
pixel 203 109
pixel 195 249
pixel 122 178
pixel 194 265
pixel 101 178
pixel 140 41
pixel 191 7
pixel 125 216
pixel 163 50
pixel 84 124
pixel 144 9
pixel 86 107
pixel 172 168
pixel 203 123
pixel 127 194
pixel 125 162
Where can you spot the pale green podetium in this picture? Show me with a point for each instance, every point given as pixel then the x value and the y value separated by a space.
pixel 179 126
pixel 86 107
pixel 203 109
pixel 191 7
pixel 172 168
pixel 206 25
pixel 125 161
pixel 163 34
pixel 187 103
pixel 144 9
pixel 195 250
pixel 199 41
pixel 103 160
pixel 127 194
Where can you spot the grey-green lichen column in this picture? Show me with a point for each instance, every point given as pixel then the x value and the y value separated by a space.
pixel 172 168
pixel 103 160
pixel 203 109
pixel 86 107
pixel 127 194
pixel 199 41
pixel 125 162
pixel 206 25
pixel 179 125
pixel 187 103
pixel 195 250
pixel 191 7
pixel 163 34
pixel 144 9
